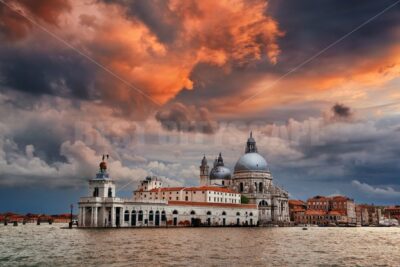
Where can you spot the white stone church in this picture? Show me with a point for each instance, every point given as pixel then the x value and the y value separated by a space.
pixel 216 202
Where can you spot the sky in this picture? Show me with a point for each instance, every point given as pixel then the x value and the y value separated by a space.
pixel 158 84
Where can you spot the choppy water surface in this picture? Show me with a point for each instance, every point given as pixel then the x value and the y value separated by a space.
pixel 51 246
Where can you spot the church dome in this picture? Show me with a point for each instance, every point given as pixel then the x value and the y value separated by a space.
pixel 251 162
pixel 220 172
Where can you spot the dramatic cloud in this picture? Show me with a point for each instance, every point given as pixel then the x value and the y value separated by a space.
pixel 156 84
pixel 13 26
pixel 381 192
pixel 186 119
pixel 144 65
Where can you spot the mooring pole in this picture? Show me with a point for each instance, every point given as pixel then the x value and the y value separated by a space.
pixel 70 222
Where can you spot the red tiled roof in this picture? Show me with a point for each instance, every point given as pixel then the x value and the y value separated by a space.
pixel 297 209
pixel 210 204
pixel 194 188
pixel 210 188
pixel 315 212
pixel 340 198
pixel 317 198
pixel 296 202
pixel 162 189
pixel 336 212
pixel 392 209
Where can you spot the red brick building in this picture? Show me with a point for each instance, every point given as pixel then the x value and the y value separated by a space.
pixel 392 212
pixel 297 209
pixel 324 211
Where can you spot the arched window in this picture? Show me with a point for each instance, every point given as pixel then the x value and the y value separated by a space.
pixel 208 212
pixel 192 212
pixel 175 212
pixel 260 187
pixel 223 182
pixel 96 192
pixel 140 217
pixel 163 217
pixel 255 187
pixel 224 213
pixel 151 216
pixel 133 218
pixel 126 216
pixel 241 187
pixel 109 192
pixel 237 213
pixel 263 203
pixel 251 214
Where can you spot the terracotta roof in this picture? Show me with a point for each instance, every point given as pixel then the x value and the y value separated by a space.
pixel 297 209
pixel 340 198
pixel 210 204
pixel 296 202
pixel 315 212
pixel 194 188
pixel 164 189
pixel 393 208
pixel 210 188
pixel 335 212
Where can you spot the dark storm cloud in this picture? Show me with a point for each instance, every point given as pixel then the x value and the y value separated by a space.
pixel 340 110
pixel 156 15
pixel 13 26
pixel 309 27
pixel 364 151
pixel 343 157
pixel 37 72
pixel 183 118
pixel 312 25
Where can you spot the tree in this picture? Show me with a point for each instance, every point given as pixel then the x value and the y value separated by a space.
pixel 244 200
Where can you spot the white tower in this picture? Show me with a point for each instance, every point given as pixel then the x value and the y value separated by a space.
pixel 204 178
pixel 102 185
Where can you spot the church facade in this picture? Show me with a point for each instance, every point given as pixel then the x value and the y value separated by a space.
pixel 246 198
pixel 253 180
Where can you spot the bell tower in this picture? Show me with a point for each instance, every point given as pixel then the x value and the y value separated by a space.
pixel 102 185
pixel 204 178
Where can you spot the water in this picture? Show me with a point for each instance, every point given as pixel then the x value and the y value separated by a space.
pixel 48 245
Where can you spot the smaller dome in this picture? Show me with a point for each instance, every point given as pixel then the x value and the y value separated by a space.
pixel 220 173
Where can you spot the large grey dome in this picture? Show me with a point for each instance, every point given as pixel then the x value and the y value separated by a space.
pixel 220 172
pixel 251 162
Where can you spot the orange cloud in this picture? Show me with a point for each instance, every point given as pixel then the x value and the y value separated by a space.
pixel 353 83
pixel 219 33
pixel 13 26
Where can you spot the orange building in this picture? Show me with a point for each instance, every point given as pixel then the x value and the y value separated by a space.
pixel 392 212
pixel 297 209
pixel 325 211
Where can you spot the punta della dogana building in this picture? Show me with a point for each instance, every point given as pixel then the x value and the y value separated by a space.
pixel 246 198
